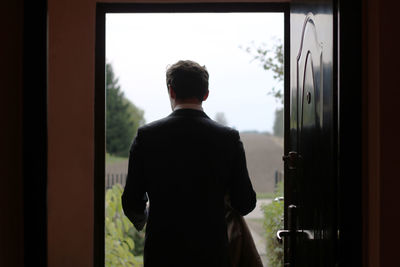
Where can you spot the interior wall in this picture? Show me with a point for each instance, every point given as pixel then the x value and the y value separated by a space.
pixel 389 112
pixel 71 31
pixel 11 199
pixel 382 144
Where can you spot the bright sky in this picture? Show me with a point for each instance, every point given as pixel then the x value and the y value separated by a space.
pixel 141 46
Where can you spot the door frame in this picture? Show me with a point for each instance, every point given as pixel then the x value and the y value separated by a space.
pixel 100 60
pixel 351 134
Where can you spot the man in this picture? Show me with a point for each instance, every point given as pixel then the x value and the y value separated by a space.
pixel 185 165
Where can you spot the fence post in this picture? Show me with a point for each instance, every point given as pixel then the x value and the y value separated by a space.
pixel 115 178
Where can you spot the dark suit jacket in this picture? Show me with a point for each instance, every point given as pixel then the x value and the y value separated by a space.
pixel 186 163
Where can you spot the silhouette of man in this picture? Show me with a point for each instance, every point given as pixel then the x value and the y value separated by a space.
pixel 185 165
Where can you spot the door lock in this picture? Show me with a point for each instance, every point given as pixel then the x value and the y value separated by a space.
pixel 291 159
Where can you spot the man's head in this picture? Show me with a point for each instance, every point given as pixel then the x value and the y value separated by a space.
pixel 187 81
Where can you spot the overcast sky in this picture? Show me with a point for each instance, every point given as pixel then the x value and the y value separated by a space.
pixel 141 46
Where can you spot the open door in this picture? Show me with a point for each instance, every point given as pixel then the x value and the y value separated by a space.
pixel 310 232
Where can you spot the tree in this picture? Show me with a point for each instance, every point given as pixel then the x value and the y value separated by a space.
pixel 123 118
pixel 271 59
pixel 220 118
pixel 278 123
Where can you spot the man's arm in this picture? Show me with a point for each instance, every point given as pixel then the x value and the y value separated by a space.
pixel 134 198
pixel 242 195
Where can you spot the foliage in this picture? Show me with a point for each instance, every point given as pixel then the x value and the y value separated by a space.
pixel 278 123
pixel 123 118
pixel 122 240
pixel 271 59
pixel 273 221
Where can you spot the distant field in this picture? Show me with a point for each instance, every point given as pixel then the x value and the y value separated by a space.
pixel 263 155
pixel 113 159
pixel 116 165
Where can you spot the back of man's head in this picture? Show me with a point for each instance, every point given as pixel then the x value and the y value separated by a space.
pixel 188 80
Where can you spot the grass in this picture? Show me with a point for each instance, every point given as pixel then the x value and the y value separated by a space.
pixel 114 159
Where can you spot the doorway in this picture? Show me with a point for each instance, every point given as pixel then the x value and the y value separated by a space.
pixel 249 134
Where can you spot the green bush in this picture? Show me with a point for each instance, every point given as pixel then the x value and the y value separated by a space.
pixel 273 214
pixel 122 240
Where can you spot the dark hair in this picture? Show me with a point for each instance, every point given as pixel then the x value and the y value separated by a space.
pixel 188 79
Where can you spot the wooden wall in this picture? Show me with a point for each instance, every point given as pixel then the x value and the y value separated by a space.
pixel 11 188
pixel 382 88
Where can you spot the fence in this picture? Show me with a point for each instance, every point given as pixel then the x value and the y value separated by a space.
pixel 278 178
pixel 113 178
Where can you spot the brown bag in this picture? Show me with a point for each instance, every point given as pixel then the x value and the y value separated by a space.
pixel 241 246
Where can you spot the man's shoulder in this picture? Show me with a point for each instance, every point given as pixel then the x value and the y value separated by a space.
pixel 223 128
pixel 203 122
pixel 153 125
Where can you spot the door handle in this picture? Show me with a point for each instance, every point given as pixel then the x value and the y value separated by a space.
pixel 292 231
pixel 307 234
pixel 291 234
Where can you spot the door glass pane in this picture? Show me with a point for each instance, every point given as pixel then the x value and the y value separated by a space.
pixel 243 53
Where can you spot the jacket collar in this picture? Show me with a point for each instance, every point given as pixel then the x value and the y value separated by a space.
pixel 190 106
pixel 189 112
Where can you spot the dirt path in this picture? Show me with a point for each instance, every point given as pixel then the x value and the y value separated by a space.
pixel 258 234
pixel 264 157
pixel 255 222
pixel 258 213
